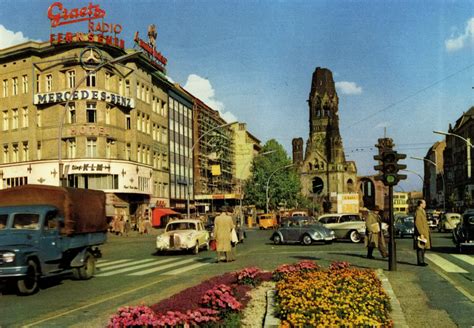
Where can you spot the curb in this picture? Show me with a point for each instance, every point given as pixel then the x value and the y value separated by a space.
pixel 397 314
pixel 270 321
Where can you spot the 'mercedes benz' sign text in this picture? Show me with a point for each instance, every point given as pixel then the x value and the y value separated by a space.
pixel 62 96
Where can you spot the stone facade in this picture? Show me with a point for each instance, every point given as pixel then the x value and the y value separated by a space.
pixel 324 171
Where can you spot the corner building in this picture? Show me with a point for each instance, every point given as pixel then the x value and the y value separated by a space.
pixel 114 135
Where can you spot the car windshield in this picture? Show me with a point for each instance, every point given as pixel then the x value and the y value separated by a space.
pixel 26 221
pixel 181 226
pixel 3 221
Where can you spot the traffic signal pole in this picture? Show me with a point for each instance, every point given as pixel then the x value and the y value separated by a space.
pixel 392 250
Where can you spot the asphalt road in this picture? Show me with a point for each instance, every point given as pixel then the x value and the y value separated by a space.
pixel 130 273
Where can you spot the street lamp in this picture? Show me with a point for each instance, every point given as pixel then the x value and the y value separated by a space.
pixel 62 180
pixel 268 182
pixel 191 155
pixel 468 148
pixel 240 181
pixel 442 177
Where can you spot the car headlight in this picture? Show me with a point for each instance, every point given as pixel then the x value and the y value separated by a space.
pixel 332 233
pixel 8 257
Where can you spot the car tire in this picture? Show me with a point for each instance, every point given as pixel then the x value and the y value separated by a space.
pixel 196 248
pixel 30 283
pixel 277 239
pixel 306 240
pixel 206 246
pixel 86 271
pixel 355 237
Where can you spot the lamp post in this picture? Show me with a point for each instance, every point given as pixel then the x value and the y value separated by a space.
pixel 240 181
pixel 442 177
pixel 268 182
pixel 468 148
pixel 191 155
pixel 62 179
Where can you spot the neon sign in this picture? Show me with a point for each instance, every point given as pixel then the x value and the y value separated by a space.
pixel 150 48
pixel 62 16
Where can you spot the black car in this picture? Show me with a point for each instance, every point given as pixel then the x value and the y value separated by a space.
pixel 463 234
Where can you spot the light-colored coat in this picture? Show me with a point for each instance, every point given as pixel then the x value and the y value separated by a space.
pixel 223 226
pixel 372 234
pixel 422 228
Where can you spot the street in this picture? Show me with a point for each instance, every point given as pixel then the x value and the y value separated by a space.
pixel 130 273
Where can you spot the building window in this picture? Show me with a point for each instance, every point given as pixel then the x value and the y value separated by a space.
pixel 25 117
pixel 38 84
pixel 127 88
pixel 15 153
pixel 108 148
pixel 25 156
pixel 128 122
pixel 108 76
pixel 91 112
pixel 120 86
pixel 25 83
pixel 108 110
pixel 138 91
pixel 72 113
pixel 128 153
pixel 5 154
pixel 71 79
pixel 91 147
pixel 15 118
pixel 15 86
pixel 5 120
pixel 38 119
pixel 49 83
pixel 5 88
pixel 91 80
pixel 39 151
pixel 71 148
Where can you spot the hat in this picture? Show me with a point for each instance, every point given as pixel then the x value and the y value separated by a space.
pixel 363 209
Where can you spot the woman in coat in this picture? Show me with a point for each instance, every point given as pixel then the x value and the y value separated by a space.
pixel 422 236
pixel 223 225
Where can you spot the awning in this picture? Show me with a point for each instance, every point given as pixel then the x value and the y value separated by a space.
pixel 158 213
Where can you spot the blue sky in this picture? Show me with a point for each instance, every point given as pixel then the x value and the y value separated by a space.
pixel 404 67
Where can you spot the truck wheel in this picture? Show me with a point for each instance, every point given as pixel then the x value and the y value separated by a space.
pixel 86 271
pixel 306 240
pixel 354 236
pixel 29 284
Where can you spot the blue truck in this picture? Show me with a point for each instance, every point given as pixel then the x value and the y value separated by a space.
pixel 48 230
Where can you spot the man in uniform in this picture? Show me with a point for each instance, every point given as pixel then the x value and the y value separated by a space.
pixel 422 237
pixel 223 225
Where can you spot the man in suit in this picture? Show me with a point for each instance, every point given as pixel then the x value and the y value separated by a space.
pixel 373 233
pixel 223 225
pixel 422 237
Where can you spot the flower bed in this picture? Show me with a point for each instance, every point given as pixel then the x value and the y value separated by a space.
pixel 306 296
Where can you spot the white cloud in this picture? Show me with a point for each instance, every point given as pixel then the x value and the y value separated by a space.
pixel 348 88
pixel 202 89
pixel 463 40
pixel 9 38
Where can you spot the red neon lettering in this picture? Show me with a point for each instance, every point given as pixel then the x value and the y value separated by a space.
pixel 62 16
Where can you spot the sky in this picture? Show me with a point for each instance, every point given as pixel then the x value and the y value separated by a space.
pixel 402 68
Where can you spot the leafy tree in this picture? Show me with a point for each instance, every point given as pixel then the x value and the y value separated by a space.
pixel 275 169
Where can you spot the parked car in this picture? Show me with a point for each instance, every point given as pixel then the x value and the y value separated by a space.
pixel 267 221
pixel 404 226
pixel 345 225
pixel 302 229
pixel 183 235
pixel 463 233
pixel 448 221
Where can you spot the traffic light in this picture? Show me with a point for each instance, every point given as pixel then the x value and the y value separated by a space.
pixel 389 167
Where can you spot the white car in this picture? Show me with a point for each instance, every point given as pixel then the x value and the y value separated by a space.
pixel 183 235
pixel 345 225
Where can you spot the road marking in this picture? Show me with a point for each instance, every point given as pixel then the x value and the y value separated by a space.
pixel 445 264
pixel 132 268
pixel 466 258
pixel 101 264
pixel 185 269
pixel 122 265
pixel 160 268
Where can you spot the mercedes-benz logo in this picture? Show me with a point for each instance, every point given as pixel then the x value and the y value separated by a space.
pixel 91 57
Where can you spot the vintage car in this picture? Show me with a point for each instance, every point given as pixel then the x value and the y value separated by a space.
pixel 404 226
pixel 267 221
pixel 302 229
pixel 345 225
pixel 463 233
pixel 183 235
pixel 448 221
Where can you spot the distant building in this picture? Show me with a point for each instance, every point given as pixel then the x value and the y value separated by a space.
pixel 434 180
pixel 323 169
pixel 400 202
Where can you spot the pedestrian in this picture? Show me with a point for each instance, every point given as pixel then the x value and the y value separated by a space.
pixel 127 227
pixel 373 233
pixel 223 226
pixel 422 236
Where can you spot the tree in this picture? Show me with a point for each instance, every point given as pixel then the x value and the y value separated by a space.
pixel 284 184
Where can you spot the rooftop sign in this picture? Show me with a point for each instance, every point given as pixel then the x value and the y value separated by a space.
pixel 150 48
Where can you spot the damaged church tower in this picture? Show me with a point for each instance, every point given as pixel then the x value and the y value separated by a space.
pixel 324 172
